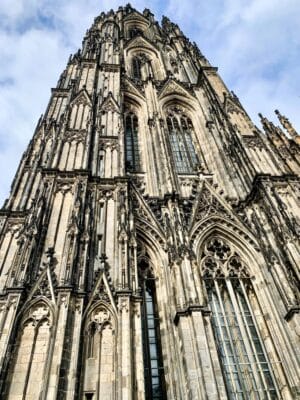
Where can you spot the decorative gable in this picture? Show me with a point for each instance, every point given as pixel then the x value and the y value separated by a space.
pixel 130 87
pixel 82 98
pixel 110 104
pixel 172 87
pixel 102 289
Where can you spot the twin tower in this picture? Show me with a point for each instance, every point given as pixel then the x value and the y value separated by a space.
pixel 150 242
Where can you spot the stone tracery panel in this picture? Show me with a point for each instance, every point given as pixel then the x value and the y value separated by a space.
pixel 26 376
pixel 246 368
pixel 99 362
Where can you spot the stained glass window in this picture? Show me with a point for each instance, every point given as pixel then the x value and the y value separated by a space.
pixel 246 369
pixel 180 130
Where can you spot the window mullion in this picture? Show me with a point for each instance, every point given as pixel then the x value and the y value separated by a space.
pixel 255 367
pixel 267 388
pixel 185 148
pixel 132 142
pixel 216 317
pixel 245 342
pixel 240 375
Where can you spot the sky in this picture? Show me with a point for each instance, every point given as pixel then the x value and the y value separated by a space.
pixel 255 44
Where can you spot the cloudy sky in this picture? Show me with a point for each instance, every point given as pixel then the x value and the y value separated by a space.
pixel 255 44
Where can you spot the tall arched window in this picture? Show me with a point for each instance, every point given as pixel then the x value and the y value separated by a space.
pixel 180 129
pixel 246 369
pixel 136 68
pixel 131 143
pixel 153 363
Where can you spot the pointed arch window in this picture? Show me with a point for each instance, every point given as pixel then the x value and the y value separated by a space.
pixel 181 130
pixel 136 68
pixel 153 363
pixel 131 143
pixel 246 369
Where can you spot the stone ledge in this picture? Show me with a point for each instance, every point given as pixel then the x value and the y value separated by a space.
pixel 189 310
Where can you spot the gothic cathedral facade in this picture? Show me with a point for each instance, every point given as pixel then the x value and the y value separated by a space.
pixel 150 242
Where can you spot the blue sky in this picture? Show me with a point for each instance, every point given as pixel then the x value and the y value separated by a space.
pixel 255 44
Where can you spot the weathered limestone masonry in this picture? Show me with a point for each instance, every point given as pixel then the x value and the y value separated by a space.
pixel 150 242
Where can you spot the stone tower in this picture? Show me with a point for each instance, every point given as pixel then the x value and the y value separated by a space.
pixel 150 242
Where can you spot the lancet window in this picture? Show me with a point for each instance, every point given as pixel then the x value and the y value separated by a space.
pixel 136 68
pixel 154 372
pixel 181 130
pixel 246 369
pixel 131 143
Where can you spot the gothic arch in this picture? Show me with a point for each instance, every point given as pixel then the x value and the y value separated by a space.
pixel 173 93
pixel 25 310
pixel 28 371
pixel 181 133
pixel 116 29
pixel 222 227
pixel 148 54
pixel 153 247
pixel 244 279
pixel 174 100
pixel 135 21
pixel 99 373
pixel 150 283
pixel 133 129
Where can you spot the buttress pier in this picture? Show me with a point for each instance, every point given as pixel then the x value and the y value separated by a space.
pixel 149 248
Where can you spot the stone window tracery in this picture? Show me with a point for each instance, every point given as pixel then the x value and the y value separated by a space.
pixel 181 130
pixel 131 143
pixel 246 369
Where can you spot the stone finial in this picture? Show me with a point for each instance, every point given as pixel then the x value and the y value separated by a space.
pixel 286 124
pixel 267 125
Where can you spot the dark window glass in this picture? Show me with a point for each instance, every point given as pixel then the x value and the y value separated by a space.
pixel 182 146
pixel 154 374
pixel 131 143
pixel 246 370
pixel 134 32
pixel 136 68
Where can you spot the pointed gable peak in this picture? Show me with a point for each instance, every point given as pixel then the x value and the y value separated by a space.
pixel 230 105
pixel 43 287
pixel 110 104
pixel 82 97
pixel 172 87
pixel 129 86
pixel 144 214
pixel 102 290
pixel 141 42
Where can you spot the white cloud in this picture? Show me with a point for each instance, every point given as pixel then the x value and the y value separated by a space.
pixel 252 41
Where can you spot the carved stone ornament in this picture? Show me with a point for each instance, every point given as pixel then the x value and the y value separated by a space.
pixel 38 312
pixel 220 261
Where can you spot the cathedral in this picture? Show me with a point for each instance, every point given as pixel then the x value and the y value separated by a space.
pixel 149 247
